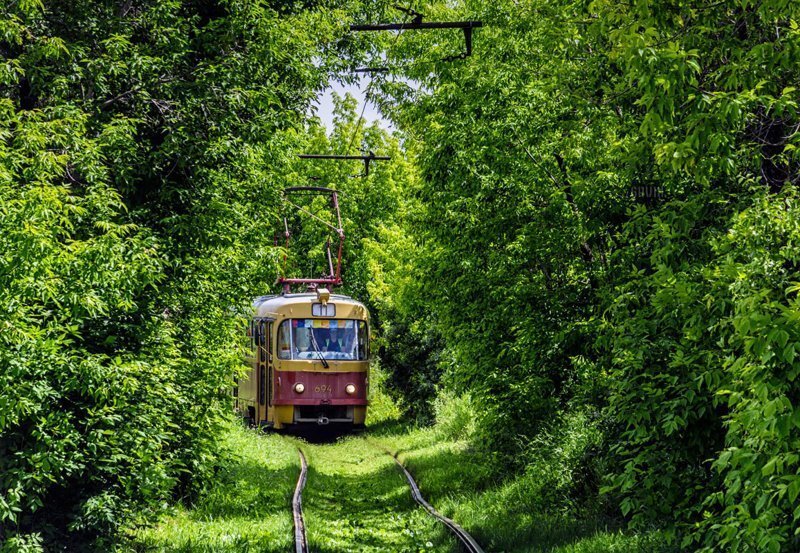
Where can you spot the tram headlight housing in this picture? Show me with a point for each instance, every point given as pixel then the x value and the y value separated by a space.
pixel 299 388
pixel 350 389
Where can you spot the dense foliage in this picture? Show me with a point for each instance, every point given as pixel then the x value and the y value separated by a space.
pixel 589 225
pixel 607 230
pixel 142 150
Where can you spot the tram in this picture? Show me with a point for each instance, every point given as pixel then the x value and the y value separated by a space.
pixel 309 362
pixel 308 353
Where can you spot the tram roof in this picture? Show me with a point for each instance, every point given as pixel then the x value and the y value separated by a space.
pixel 274 303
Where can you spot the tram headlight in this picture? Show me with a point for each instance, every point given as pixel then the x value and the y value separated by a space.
pixel 299 388
pixel 350 389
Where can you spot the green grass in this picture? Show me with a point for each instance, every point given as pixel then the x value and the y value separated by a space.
pixel 248 510
pixel 356 499
pixel 503 516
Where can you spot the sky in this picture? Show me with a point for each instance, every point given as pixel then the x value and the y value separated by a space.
pixel 325 104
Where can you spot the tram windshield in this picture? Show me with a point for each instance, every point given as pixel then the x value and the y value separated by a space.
pixel 331 339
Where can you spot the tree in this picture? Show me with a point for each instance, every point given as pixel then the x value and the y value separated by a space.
pixel 588 179
pixel 142 153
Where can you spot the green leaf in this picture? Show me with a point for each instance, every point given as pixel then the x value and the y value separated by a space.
pixel 794 489
pixel 769 467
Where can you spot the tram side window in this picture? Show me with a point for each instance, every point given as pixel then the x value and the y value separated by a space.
pixel 251 334
pixel 284 341
pixel 363 341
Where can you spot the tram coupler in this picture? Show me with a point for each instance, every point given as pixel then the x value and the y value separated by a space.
pixel 322 420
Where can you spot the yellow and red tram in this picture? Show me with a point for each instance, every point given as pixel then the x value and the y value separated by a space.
pixel 308 362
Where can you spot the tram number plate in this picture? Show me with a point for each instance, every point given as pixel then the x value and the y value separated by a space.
pixel 323 389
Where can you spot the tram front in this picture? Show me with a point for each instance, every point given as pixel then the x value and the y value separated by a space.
pixel 321 361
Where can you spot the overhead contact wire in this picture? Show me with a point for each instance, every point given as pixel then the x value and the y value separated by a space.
pixel 367 93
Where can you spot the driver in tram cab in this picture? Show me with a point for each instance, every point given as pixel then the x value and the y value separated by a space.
pixel 334 341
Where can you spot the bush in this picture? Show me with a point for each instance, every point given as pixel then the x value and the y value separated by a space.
pixel 565 465
pixel 709 424
pixel 456 416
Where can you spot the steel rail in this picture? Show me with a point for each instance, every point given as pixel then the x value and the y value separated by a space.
pixel 300 541
pixel 467 541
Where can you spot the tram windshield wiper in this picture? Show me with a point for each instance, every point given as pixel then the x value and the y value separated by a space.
pixel 316 349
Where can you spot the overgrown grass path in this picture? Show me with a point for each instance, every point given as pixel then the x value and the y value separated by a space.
pixel 504 515
pixel 247 510
pixel 357 500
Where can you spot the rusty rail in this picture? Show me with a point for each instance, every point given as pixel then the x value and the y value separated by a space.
pixel 468 542
pixel 300 540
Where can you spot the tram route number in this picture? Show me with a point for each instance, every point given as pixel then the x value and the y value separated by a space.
pixel 323 389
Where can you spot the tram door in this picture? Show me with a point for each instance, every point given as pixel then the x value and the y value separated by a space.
pixel 263 368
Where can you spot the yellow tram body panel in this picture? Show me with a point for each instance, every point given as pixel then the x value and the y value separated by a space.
pixel 289 383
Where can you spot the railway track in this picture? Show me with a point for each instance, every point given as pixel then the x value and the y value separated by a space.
pixel 467 542
pixel 300 541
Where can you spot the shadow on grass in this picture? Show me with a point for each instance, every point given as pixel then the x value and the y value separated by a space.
pixel 328 434
pixel 388 427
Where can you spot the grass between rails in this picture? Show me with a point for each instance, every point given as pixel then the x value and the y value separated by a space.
pixel 248 509
pixel 356 499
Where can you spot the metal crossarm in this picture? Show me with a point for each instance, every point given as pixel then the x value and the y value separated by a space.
pixel 419 25
pixel 366 159
pixel 370 70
